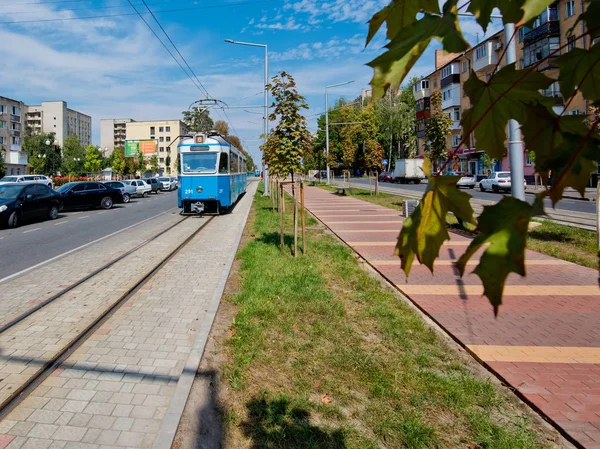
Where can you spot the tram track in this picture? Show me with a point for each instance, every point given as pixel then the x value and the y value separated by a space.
pixel 48 366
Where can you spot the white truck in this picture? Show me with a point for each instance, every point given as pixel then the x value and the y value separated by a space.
pixel 408 170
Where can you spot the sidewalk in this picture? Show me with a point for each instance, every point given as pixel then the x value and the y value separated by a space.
pixel 127 385
pixel 590 193
pixel 545 342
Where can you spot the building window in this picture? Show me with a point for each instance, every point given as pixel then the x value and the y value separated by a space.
pixel 161 160
pixel 15 110
pixel 464 66
pixel 16 140
pixel 456 114
pixel 2 109
pixel 481 52
pixel 162 149
pixel 161 139
pixel 521 34
pixel 1 140
pixel 435 83
pixel 456 140
pixel 570 8
pixel 152 130
pixel 2 124
pixel 168 129
pixel 161 129
pixel 571 43
pixel 575 112
pixel 168 138
pixel 528 159
pixel 447 71
pixel 540 50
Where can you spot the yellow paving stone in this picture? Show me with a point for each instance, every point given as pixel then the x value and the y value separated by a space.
pixel 393 243
pixel 509 290
pixel 469 263
pixel 536 354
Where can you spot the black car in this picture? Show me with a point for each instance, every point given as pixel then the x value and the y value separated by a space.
pixel 85 195
pixel 20 202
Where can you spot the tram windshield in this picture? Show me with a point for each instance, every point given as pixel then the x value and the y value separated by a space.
pixel 199 162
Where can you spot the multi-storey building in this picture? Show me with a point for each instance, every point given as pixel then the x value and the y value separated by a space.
pixel 112 133
pixel 165 132
pixel 11 136
pixel 55 117
pixel 548 34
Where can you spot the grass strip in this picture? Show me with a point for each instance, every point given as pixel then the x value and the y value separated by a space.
pixel 323 356
pixel 563 242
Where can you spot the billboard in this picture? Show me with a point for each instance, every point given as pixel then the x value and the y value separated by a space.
pixel 133 147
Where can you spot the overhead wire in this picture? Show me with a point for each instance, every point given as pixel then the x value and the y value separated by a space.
pixel 30 11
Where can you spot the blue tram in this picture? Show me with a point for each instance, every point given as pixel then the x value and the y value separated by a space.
pixel 212 173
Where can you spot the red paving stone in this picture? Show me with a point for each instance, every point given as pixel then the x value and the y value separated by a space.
pixel 567 393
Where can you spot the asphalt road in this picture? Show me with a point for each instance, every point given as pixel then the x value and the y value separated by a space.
pixel 566 204
pixel 36 242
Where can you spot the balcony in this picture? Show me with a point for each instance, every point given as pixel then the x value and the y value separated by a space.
pixel 16 157
pixel 547 29
pixel 422 93
pixel 423 114
pixel 452 98
pixel 456 125
pixel 15 118
pixel 15 132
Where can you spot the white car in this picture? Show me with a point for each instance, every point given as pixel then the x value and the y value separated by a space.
pixel 466 181
pixel 167 184
pixel 497 182
pixel 142 188
pixel 27 179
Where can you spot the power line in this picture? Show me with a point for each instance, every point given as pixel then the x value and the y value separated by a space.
pixel 104 16
pixel 78 9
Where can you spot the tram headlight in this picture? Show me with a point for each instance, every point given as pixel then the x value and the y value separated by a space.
pixel 199 189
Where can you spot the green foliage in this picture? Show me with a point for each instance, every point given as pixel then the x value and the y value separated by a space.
pixel 198 120
pixel 423 234
pixel 43 158
pixel 93 159
pixel 2 156
pixel 118 164
pixel 154 163
pixel 222 127
pixel 290 139
pixel 437 130
pixel 176 163
pixel 504 226
pixel 141 162
pixel 564 147
pixel 73 156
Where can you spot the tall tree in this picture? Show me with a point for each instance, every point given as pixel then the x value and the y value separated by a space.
pixel 73 156
pixel 154 164
pixel 222 127
pixel 93 159
pixel 168 161
pixel 437 131
pixel 2 156
pixel 43 158
pixel 198 120
pixel 291 133
pixel 118 164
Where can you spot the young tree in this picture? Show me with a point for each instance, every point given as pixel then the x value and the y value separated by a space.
pixel 2 156
pixel 42 155
pixel 176 163
pixel 73 156
pixel 154 164
pixel 198 120
pixel 141 163
pixel 93 159
pixel 291 135
pixel 119 163
pixel 168 161
pixel 437 131
pixel 222 127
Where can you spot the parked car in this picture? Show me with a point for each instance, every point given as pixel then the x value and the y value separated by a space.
pixel 167 184
pixel 155 184
pixel 85 195
pixel 20 203
pixel 385 176
pixel 321 174
pixel 467 181
pixel 175 182
pixel 27 179
pixel 497 182
pixel 127 190
pixel 142 188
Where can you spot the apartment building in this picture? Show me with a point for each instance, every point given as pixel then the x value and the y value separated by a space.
pixel 56 117
pixel 11 136
pixel 112 133
pixel 165 132
pixel 548 33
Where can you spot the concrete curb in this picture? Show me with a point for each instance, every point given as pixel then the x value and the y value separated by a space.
pixel 170 423
pixel 571 197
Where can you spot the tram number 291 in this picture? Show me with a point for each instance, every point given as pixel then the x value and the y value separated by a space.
pixel 189 191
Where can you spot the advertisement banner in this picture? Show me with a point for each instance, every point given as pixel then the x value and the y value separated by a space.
pixel 148 147
pixel 132 148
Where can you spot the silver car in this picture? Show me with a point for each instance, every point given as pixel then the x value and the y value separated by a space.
pixel 467 181
pixel 126 190
pixel 27 179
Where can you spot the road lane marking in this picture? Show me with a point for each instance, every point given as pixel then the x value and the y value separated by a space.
pixel 4 279
pixel 61 223
pixel 85 216
pixel 31 230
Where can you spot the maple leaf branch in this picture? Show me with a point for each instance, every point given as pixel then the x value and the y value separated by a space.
pixel 511 87
pixel 578 87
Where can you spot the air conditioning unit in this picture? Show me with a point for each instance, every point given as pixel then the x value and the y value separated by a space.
pixel 498 46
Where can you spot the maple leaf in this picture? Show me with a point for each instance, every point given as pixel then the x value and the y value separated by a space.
pixel 591 17
pixel 398 14
pixel 409 44
pixel 425 231
pixel 504 226
pixel 581 68
pixel 494 103
pixel 513 11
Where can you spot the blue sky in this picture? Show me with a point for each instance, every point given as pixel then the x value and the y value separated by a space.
pixel 111 67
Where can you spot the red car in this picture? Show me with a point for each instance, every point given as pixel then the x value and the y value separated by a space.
pixel 385 176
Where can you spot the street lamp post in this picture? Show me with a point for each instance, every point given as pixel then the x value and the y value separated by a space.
pixel 266 106
pixel 54 144
pixel 327 123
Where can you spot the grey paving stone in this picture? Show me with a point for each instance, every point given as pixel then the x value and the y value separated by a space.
pixel 44 431
pixel 44 416
pixel 80 420
pixel 130 439
pixel 69 433
pixel 74 406
pixel 91 435
pixel 108 437
pixel 22 428
pixel 101 422
pixel 36 443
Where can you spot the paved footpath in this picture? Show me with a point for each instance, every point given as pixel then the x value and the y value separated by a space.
pixel 127 385
pixel 545 342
